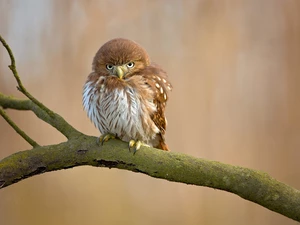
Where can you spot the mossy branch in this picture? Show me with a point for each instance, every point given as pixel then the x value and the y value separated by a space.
pixel 81 150
pixel 249 184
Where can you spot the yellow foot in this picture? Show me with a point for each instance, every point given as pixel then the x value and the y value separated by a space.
pixel 135 145
pixel 104 138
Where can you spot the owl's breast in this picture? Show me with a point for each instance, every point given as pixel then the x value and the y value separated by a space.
pixel 122 110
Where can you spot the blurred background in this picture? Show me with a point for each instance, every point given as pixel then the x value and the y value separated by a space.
pixel 234 65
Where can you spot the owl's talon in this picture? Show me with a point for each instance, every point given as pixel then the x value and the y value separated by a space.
pixel 104 138
pixel 131 144
pixel 136 145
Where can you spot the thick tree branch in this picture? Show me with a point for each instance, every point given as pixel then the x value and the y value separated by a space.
pixel 80 150
pixel 249 184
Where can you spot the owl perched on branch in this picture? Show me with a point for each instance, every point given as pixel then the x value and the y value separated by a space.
pixel 125 95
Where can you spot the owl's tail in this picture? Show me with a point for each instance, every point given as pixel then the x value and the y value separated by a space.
pixel 162 144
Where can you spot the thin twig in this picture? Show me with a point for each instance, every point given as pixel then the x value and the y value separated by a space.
pixel 21 88
pixel 17 129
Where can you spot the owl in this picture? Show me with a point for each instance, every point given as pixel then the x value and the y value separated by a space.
pixel 125 95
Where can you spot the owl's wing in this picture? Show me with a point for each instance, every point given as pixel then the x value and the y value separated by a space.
pixel 157 79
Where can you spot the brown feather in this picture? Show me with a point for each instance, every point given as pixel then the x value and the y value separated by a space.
pixel 119 51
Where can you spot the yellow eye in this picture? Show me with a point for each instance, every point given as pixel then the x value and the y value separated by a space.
pixel 130 64
pixel 109 67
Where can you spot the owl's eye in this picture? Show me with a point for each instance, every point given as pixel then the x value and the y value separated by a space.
pixel 130 64
pixel 109 67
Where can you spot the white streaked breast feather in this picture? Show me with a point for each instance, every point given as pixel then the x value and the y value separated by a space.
pixel 119 112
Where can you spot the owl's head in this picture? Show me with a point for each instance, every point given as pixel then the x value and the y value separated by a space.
pixel 121 58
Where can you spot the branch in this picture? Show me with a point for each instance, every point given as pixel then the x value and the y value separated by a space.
pixel 81 149
pixel 55 120
pixel 21 88
pixel 249 184
pixel 17 129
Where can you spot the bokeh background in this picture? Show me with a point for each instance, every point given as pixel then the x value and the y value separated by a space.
pixel 234 65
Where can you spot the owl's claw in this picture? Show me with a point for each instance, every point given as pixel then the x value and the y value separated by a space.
pixel 136 145
pixel 104 138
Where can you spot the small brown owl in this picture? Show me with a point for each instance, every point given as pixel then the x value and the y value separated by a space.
pixel 125 95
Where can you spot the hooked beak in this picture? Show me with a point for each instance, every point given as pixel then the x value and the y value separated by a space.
pixel 120 72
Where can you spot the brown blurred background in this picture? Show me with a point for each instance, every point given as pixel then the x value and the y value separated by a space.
pixel 234 65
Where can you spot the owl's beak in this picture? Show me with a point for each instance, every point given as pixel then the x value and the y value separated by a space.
pixel 121 71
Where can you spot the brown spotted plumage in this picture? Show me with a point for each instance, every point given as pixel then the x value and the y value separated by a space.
pixel 125 95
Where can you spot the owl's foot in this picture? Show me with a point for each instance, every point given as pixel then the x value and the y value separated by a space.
pixel 136 145
pixel 104 138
